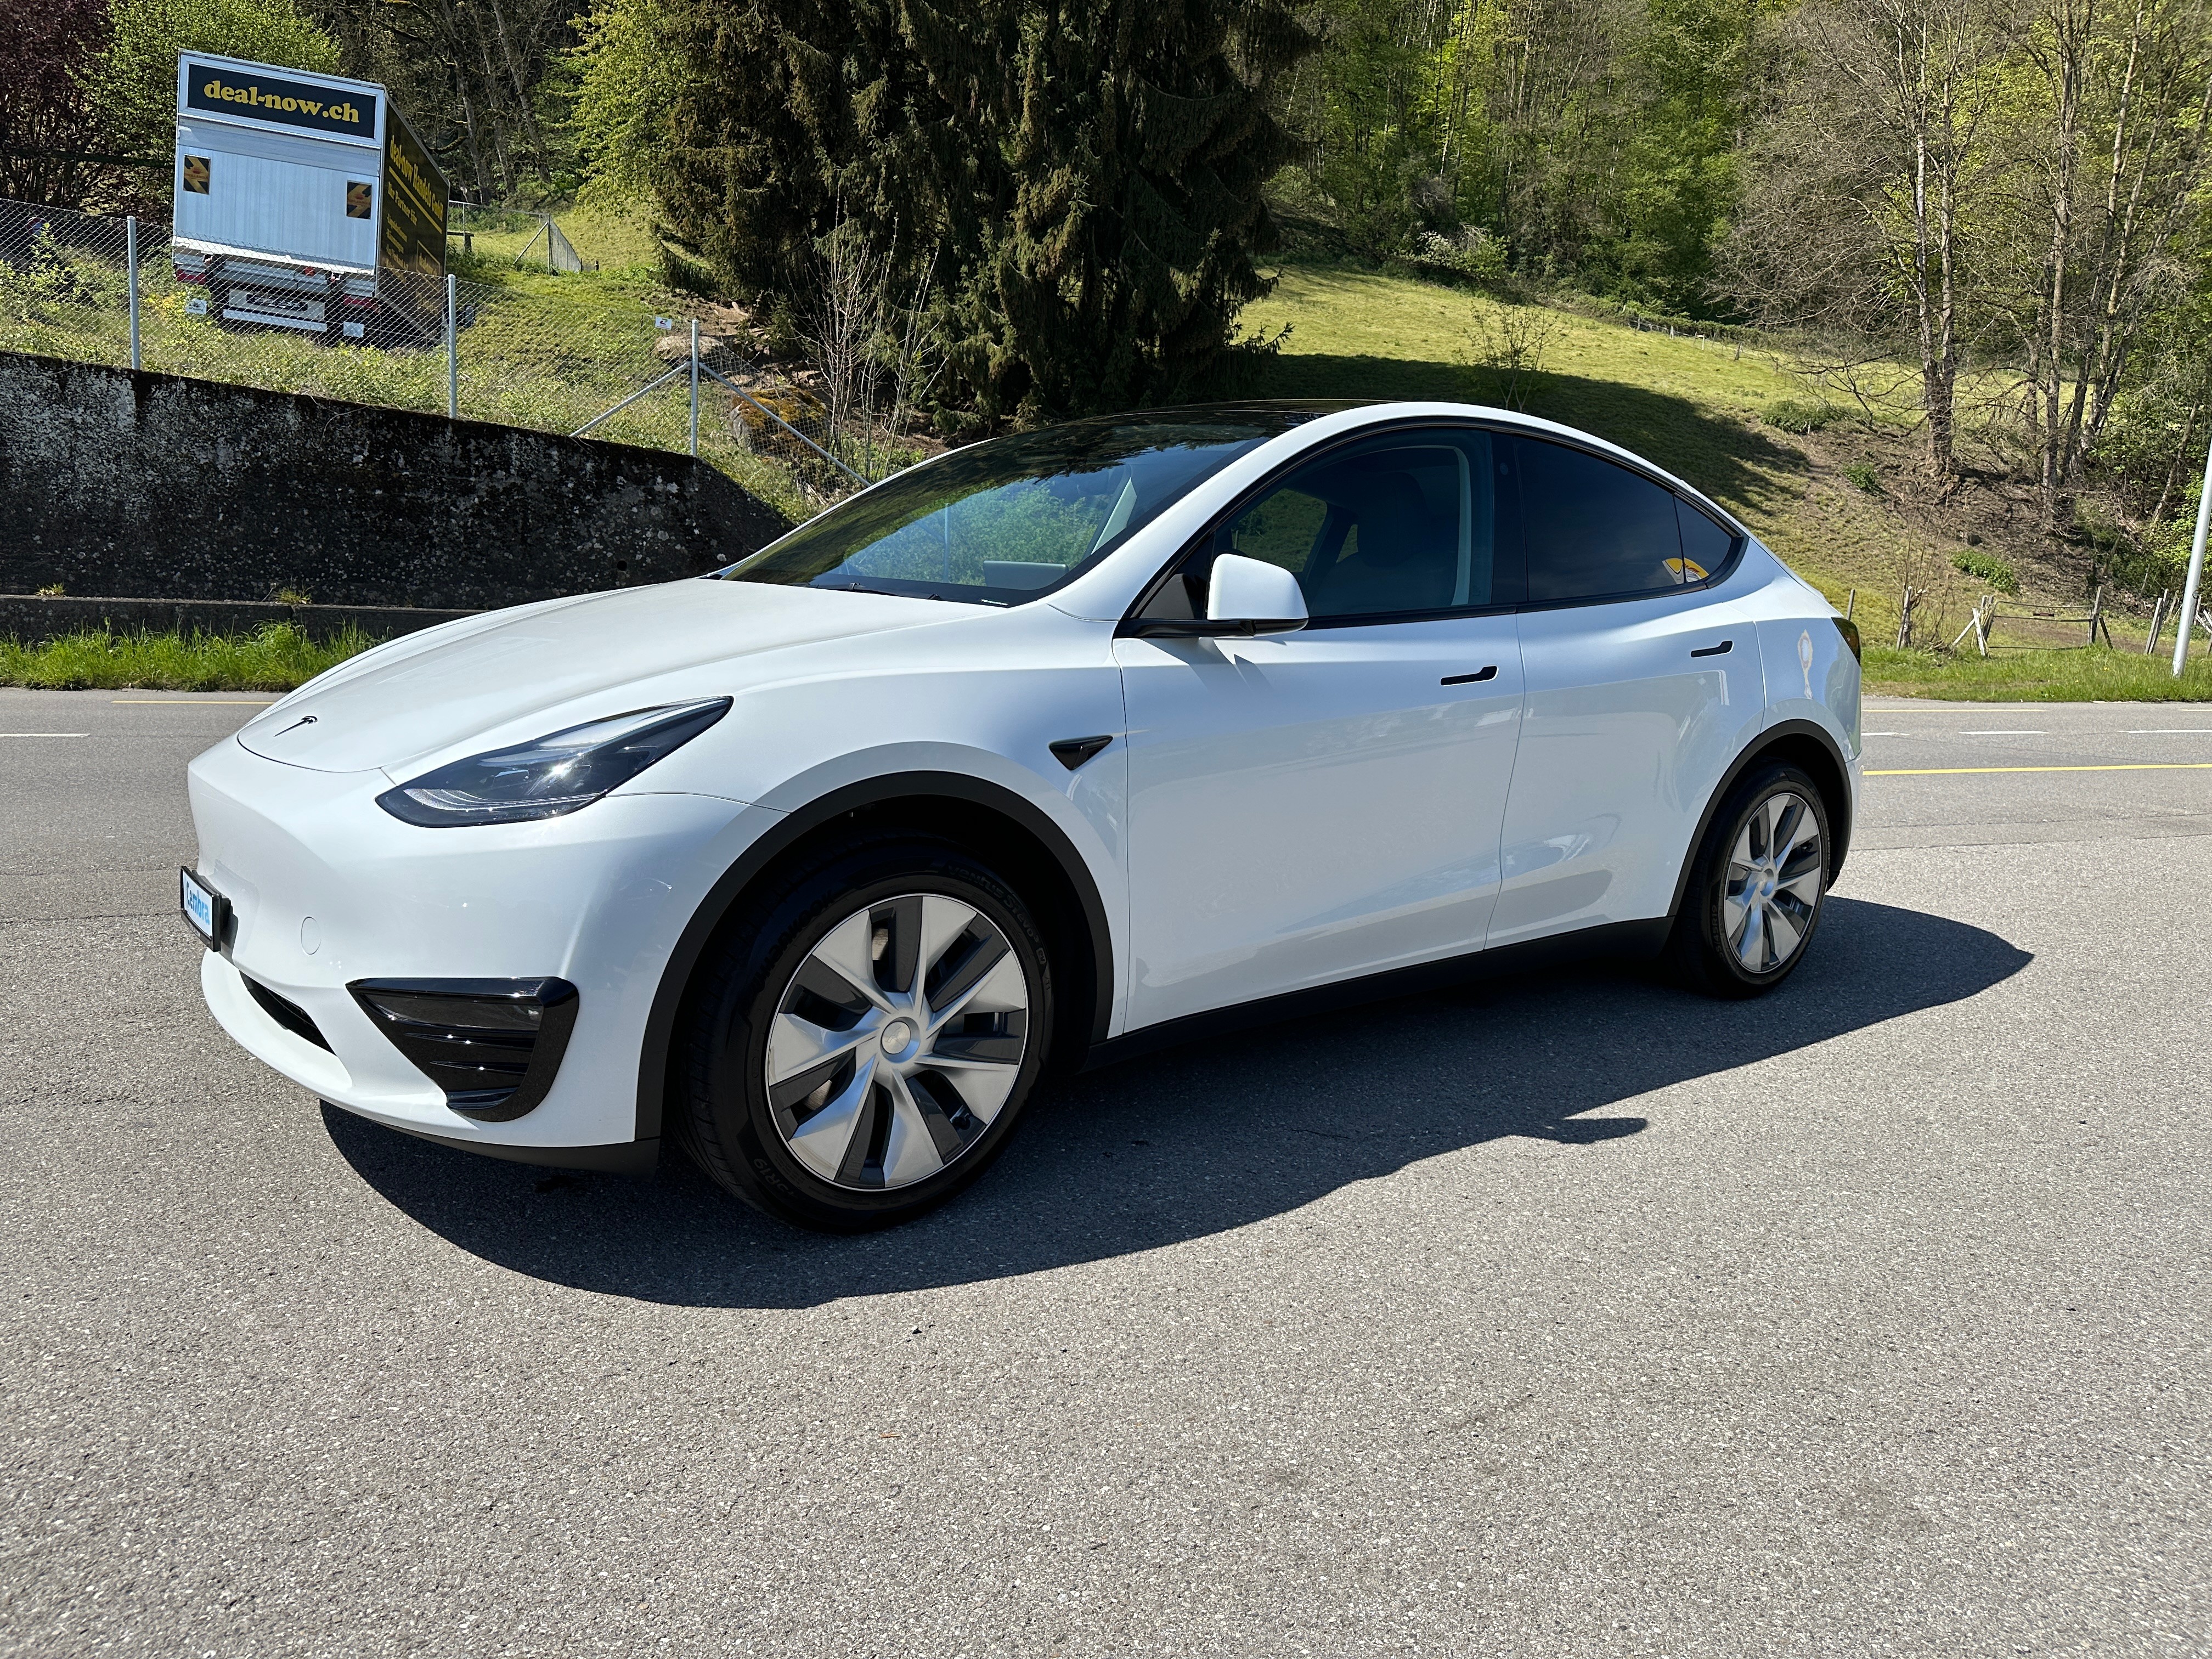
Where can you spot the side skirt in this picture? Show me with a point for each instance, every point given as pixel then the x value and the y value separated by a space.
pixel 1624 940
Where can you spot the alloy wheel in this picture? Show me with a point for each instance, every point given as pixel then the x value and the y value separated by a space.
pixel 897 1041
pixel 1774 875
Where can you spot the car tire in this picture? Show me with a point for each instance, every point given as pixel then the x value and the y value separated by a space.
pixel 1758 885
pixel 858 1046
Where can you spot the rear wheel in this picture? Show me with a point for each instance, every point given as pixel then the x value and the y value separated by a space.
pixel 860 1048
pixel 1756 886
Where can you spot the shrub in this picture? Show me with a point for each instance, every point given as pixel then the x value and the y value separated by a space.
pixel 1474 256
pixel 1798 414
pixel 1987 568
pixel 1863 474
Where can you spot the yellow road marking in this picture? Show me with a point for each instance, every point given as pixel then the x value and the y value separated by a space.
pixel 1954 771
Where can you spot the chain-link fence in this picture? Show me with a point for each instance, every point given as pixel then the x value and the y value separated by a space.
pixel 547 249
pixel 537 349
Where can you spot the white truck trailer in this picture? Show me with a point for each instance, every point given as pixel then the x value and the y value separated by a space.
pixel 306 201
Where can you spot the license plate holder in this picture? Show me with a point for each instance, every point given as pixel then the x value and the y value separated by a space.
pixel 206 911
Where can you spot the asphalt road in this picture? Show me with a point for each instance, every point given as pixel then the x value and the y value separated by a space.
pixel 1568 1316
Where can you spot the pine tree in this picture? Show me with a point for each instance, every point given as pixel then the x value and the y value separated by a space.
pixel 1136 143
pixel 1084 180
pixel 788 118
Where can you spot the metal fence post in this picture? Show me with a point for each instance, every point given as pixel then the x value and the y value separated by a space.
pixel 2196 576
pixel 694 388
pixel 130 253
pixel 453 352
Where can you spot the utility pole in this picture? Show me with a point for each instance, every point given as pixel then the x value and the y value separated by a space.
pixel 2188 588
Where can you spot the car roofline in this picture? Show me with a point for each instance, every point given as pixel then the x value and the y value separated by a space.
pixel 1351 418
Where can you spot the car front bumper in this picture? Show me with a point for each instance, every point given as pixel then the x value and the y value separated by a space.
pixel 326 890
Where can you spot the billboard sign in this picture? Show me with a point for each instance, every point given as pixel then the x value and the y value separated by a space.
pixel 221 89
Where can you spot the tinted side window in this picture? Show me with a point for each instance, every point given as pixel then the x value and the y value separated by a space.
pixel 1405 523
pixel 1705 544
pixel 1593 528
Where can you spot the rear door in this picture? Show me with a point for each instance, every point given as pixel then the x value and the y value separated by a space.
pixel 1643 686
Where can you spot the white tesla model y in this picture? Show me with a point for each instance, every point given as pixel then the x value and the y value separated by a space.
pixel 1053 746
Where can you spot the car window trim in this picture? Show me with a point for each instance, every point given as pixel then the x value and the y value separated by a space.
pixel 1740 537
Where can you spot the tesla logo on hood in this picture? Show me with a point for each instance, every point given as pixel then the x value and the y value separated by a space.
pixel 304 720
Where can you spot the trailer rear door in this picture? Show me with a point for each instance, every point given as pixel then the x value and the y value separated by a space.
pixel 278 161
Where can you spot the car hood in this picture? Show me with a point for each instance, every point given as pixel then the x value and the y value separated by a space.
pixel 417 696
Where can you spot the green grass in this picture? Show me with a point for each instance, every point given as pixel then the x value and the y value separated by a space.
pixel 2091 674
pixel 618 243
pixel 276 658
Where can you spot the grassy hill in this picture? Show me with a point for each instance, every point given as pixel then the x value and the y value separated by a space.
pixel 1844 504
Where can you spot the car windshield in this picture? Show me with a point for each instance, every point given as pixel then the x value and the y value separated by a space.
pixel 1011 519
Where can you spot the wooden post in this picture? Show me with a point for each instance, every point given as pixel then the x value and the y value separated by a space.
pixel 1851 602
pixel 2096 613
pixel 1904 619
pixel 2157 624
pixel 1985 617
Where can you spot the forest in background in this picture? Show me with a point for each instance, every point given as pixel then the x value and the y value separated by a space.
pixel 1984 221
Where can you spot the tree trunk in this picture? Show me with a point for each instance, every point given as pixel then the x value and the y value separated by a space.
pixel 2070 26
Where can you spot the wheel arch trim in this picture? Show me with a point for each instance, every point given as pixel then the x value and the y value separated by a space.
pixel 789 831
pixel 1781 735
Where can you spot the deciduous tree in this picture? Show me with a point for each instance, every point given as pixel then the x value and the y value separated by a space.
pixel 46 130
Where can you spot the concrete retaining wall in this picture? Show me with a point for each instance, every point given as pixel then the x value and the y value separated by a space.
pixel 154 486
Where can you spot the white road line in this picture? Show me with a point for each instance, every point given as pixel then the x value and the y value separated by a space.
pixel 2170 732
pixel 45 734
pixel 2004 734
pixel 1885 734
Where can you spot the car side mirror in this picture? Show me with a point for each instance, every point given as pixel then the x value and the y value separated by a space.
pixel 1248 596
pixel 1244 596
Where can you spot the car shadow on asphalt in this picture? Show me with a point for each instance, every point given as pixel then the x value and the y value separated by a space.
pixel 1207 1137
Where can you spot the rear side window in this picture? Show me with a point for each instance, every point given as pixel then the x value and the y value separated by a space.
pixel 1705 544
pixel 1595 530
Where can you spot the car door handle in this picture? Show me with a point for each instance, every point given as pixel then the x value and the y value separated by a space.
pixel 1720 650
pixel 1487 673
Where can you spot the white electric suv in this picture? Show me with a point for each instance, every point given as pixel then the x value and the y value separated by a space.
pixel 1053 746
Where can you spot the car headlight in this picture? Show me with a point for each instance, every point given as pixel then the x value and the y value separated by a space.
pixel 552 774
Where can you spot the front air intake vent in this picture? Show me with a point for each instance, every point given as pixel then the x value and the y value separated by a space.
pixel 492 1045
pixel 289 1015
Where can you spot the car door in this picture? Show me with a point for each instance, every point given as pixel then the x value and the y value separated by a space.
pixel 1306 807
pixel 1643 685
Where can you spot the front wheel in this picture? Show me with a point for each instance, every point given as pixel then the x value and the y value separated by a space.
pixel 860 1049
pixel 1756 886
